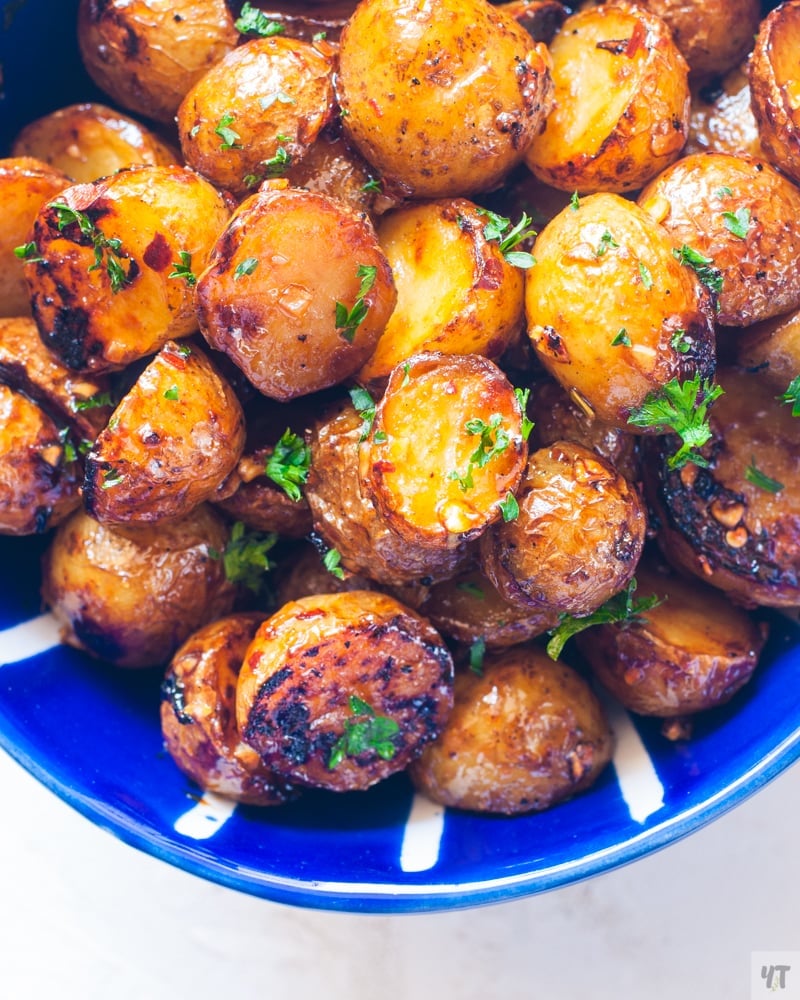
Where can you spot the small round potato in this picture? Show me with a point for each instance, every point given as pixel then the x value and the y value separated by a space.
pixel 198 714
pixel 721 119
pixel 622 102
pixel 146 54
pixel 303 574
pixel 87 141
pixel 341 690
pixel 442 98
pixel 524 735
pixel 297 292
pixel 577 539
pixel 612 314
pixel 132 596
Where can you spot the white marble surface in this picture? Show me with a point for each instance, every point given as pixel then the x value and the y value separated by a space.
pixel 84 916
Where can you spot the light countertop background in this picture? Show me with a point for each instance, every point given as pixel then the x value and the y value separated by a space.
pixel 84 916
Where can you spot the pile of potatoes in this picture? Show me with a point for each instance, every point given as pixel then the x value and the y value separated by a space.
pixel 357 355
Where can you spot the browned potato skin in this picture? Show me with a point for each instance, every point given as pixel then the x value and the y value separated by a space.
pixel 87 141
pixel 524 735
pixel 773 348
pixel 773 85
pixel 346 518
pixel 172 441
pixel 25 185
pixel 717 525
pixel 133 596
pixel 146 54
pixel 305 20
pixel 622 110
pixel 721 119
pixel 278 323
pixel 456 292
pixel 242 85
pixel 401 86
pixel 198 714
pixel 580 295
pixel 759 272
pixel 156 213
pixel 578 537
pixel 307 660
pixel 690 653
pixel 38 487
pixel 418 452
pixel 303 574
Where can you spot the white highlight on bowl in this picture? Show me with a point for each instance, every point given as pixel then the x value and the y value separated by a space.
pixel 206 817
pixel 639 783
pixel 28 639
pixel 422 835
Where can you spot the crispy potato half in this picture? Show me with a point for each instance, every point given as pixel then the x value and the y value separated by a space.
pixel 198 714
pixel 621 102
pixel 341 690
pixel 525 734
pixel 611 312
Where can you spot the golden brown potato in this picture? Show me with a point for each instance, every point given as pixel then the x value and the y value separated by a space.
pixel 446 451
pixel 775 87
pixel 347 520
pixel 303 574
pixel 736 524
pixel 612 314
pixel 117 262
pixel 443 99
pixel 256 112
pixel 132 596
pixel 342 690
pixel 297 292
pixel 578 537
pixel 146 54
pixel 741 214
pixel 721 119
pixel 456 292
pixel 622 102
pixel 25 185
pixel 692 652
pixel 524 735
pixel 198 714
pixel 773 348
pixel 172 441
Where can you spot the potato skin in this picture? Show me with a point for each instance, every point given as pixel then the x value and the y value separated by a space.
pixel 721 119
pixel 132 597
pixel 524 735
pixel 772 348
pixel 401 86
pixel 688 654
pixel 577 539
pixel 172 441
pixel 277 321
pixel 312 656
pixel 198 714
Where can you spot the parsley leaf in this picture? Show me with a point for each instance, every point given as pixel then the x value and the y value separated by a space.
pixel 523 396
pixel 172 393
pixel 93 402
pixel 289 463
pixel 760 479
pixel 738 222
pixel 646 276
pixel 509 507
pixel 792 395
pixel 364 731
pixel 349 320
pixel 621 338
pixel 332 563
pixel 230 137
pixel 373 184
pixel 279 95
pixel 477 651
pixel 28 252
pixel 252 21
pixel 183 268
pixel 107 249
pixel 247 266
pixel 494 440
pixel 365 407
pixel 245 558
pixel 703 266
pixel 574 201
pixel 499 228
pixel 679 342
pixel 607 241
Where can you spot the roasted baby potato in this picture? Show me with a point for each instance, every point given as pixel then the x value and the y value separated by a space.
pixel 87 141
pixel 446 451
pixel 740 214
pixel 736 523
pixel 773 349
pixel 456 292
pixel 172 441
pixel 297 292
pixel 524 735
pixel 611 312
pixel 256 112
pixel 691 652
pixel 621 102
pixel 775 87
pixel 25 185
pixel 577 539
pixel 112 279
pixel 342 690
pixel 133 596
pixel 303 574
pixel 198 714
pixel 721 119
pixel 444 98
pixel 146 54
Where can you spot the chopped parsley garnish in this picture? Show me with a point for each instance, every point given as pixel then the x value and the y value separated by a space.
pixel 247 266
pixel 724 192
pixel 509 507
pixel 365 407
pixel 279 163
pixel 289 463
pixel 406 374
pixel 70 452
pixel 737 222
pixel 621 338
pixel 522 398
pixel 792 395
pixel 607 242
pixel 252 21
pixel 373 184
pixel 703 266
pixel 681 407
pixel 245 558
pixel 93 402
pixel 679 342
pixel 319 36
pixel 472 589
pixel 332 563
pixel 499 228
pixel 477 651
pixel 279 95
pixel 645 276
pixel 619 608
pixel 574 201
pixel 760 479
pixel 107 249
pixel 230 137
pixel 28 252
pixel 494 440
pixel 364 731
pixel 349 320
pixel 171 393
pixel 111 478
pixel 183 268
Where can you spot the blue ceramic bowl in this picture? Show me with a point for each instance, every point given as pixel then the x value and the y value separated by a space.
pixel 91 733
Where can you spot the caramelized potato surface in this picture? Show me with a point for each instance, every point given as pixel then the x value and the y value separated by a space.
pixel 721 119
pixel 342 690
